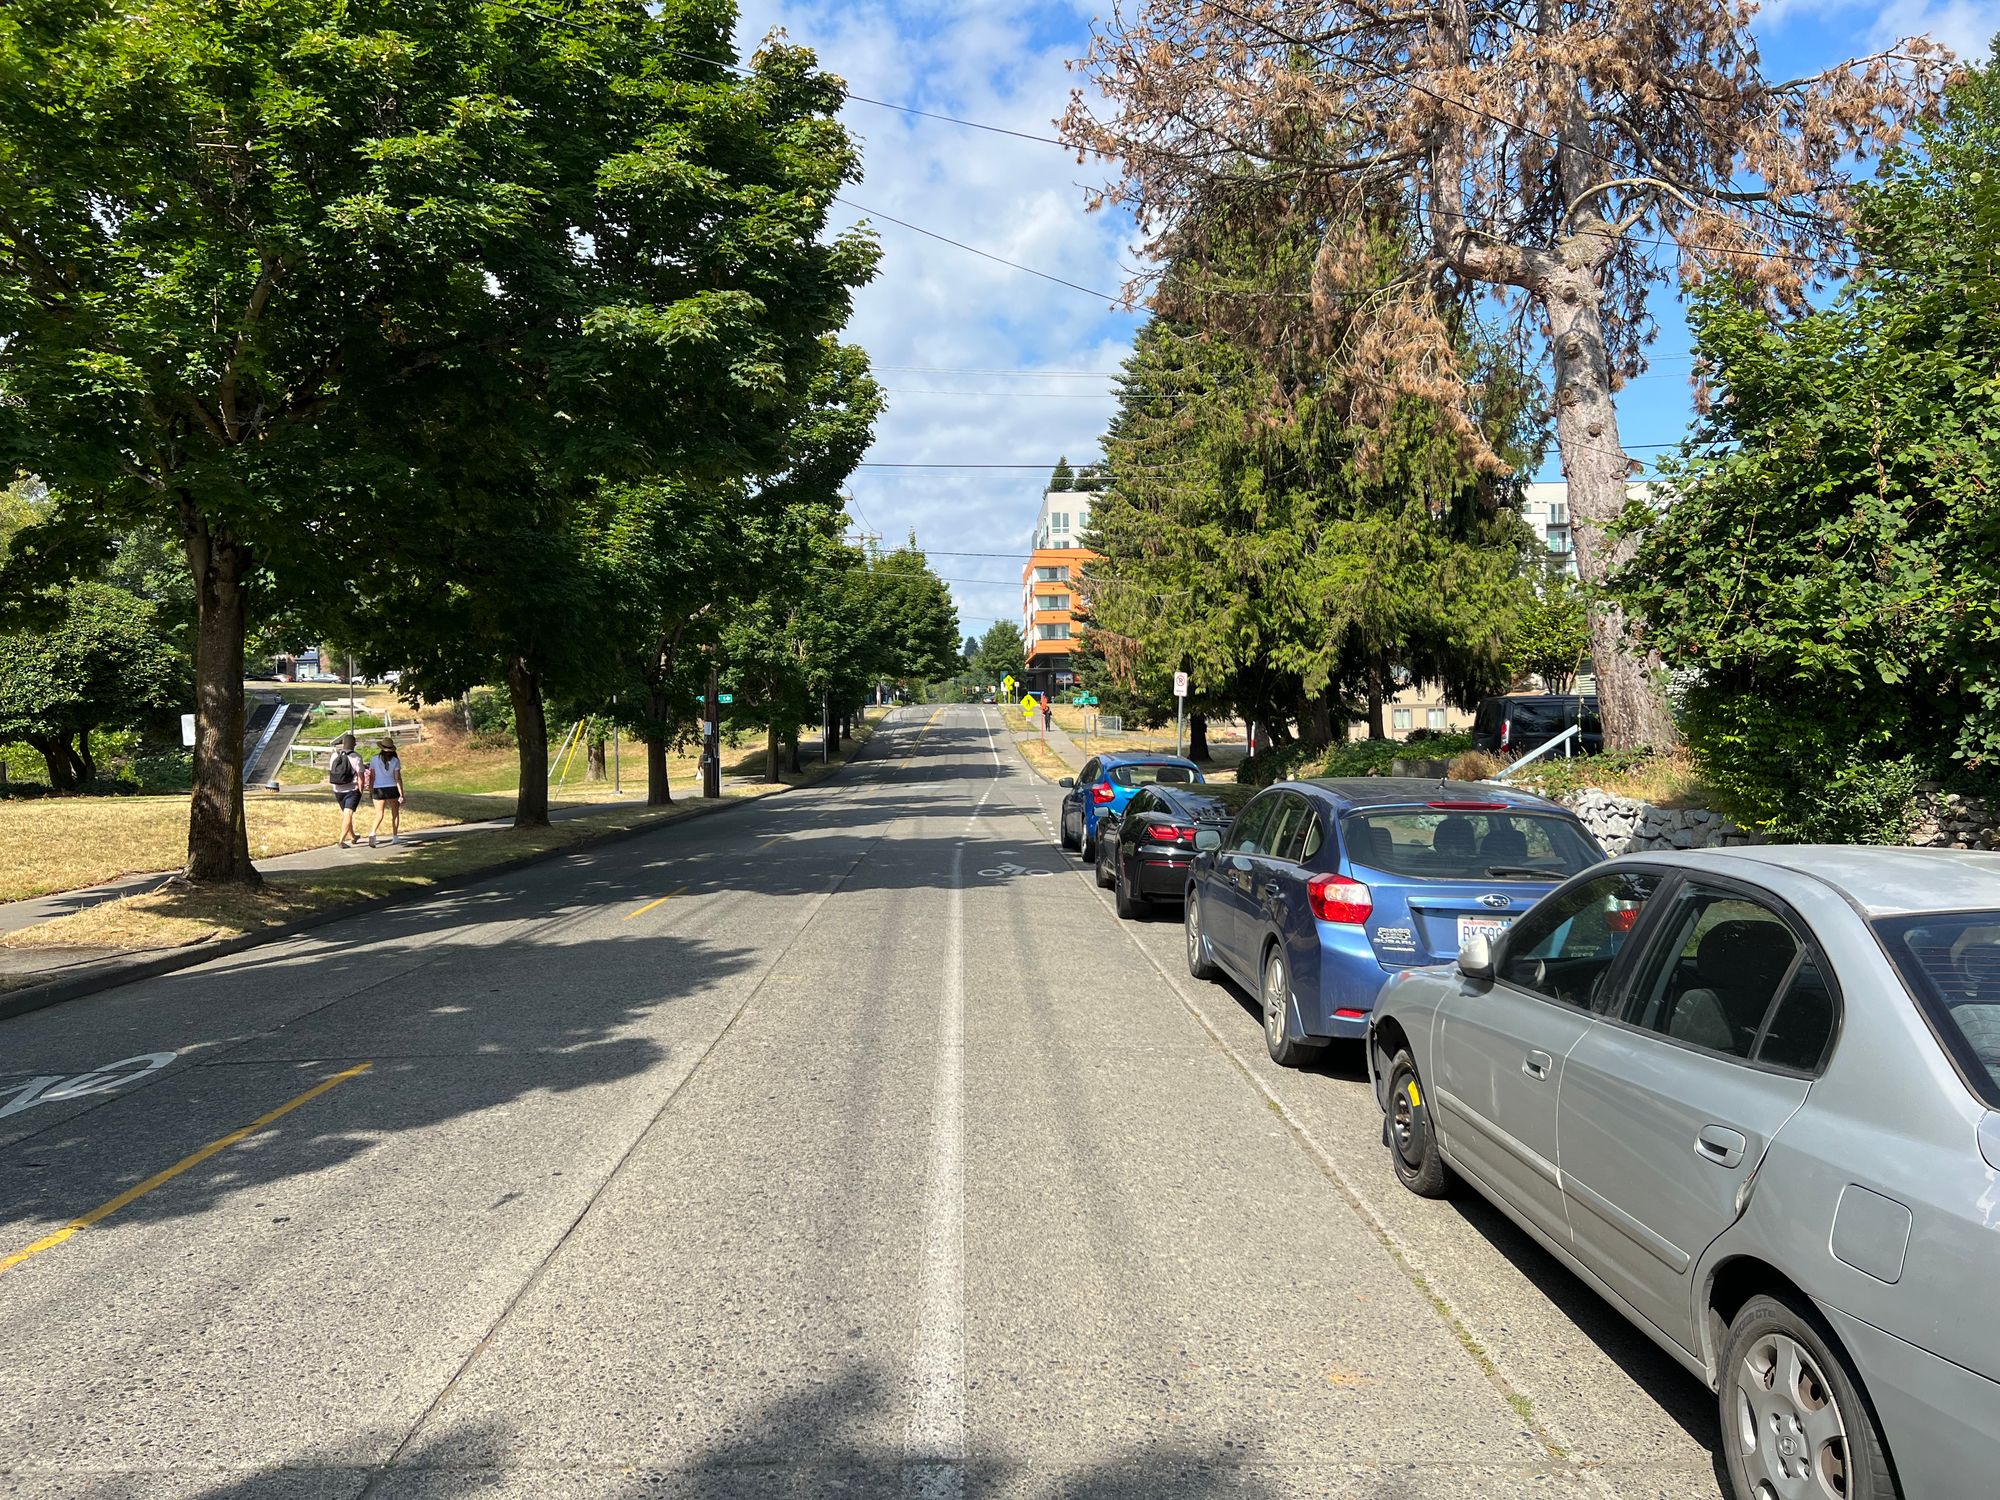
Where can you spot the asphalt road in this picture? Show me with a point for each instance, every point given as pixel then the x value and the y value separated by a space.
pixel 842 1144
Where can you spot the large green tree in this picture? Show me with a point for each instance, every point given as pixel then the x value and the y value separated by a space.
pixel 1827 569
pixel 217 223
pixel 998 653
pixel 96 660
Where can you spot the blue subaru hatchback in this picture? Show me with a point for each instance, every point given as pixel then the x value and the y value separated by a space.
pixel 1106 783
pixel 1322 889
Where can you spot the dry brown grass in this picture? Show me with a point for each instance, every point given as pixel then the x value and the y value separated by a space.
pixel 1041 759
pixel 192 914
pixel 196 914
pixel 63 843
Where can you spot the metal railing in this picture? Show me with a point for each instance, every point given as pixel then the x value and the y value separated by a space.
pixel 1574 731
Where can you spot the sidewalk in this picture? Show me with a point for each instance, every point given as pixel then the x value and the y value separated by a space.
pixel 1067 750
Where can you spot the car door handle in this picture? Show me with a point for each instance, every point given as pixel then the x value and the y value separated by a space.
pixel 1721 1145
pixel 1537 1064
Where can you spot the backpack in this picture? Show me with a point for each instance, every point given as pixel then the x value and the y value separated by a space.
pixel 340 771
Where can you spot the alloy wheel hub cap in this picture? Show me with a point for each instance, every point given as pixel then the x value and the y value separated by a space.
pixel 1788 1427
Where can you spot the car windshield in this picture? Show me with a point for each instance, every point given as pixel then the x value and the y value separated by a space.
pixel 1950 962
pixel 1147 774
pixel 1431 843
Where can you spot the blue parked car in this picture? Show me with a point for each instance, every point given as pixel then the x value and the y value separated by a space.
pixel 1106 783
pixel 1322 889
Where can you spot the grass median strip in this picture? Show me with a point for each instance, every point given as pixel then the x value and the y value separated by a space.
pixel 132 1194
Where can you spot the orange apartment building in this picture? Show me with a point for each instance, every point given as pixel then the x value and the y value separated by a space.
pixel 1049 630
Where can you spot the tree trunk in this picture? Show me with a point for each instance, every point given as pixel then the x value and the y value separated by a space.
pixel 1320 730
pixel 792 753
pixel 86 763
pixel 657 709
pixel 1197 736
pixel 1629 699
pixel 1375 725
pixel 55 755
pixel 218 838
pixel 594 768
pixel 771 751
pixel 531 736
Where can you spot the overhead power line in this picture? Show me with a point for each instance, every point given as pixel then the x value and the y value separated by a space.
pixel 982 254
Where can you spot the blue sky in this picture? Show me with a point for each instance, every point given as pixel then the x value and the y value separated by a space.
pixel 987 365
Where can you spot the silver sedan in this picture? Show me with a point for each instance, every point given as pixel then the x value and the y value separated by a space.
pixel 1749 1096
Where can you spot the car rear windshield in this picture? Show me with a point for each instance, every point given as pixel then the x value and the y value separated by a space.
pixel 1146 775
pixel 1217 802
pixel 1951 962
pixel 1436 844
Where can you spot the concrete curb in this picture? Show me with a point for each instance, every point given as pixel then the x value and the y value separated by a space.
pixel 106 974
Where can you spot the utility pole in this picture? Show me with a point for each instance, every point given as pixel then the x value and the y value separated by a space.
pixel 711 766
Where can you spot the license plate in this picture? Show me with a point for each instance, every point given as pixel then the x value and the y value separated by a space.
pixel 1486 927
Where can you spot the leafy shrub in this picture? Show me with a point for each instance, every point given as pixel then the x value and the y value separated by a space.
pixel 492 715
pixel 1294 760
pixel 1802 779
pixel 1278 763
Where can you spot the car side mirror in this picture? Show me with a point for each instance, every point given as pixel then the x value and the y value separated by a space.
pixel 1067 781
pixel 1208 838
pixel 1475 959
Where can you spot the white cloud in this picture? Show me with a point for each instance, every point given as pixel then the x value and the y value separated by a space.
pixel 1966 26
pixel 936 308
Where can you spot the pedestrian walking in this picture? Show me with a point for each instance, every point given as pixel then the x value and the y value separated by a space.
pixel 385 782
pixel 343 774
pixel 1048 714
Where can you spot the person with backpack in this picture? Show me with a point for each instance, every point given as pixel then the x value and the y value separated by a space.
pixel 343 774
pixel 385 782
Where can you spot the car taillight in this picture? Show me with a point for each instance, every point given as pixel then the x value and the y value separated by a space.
pixel 1102 792
pixel 1169 833
pixel 1506 732
pixel 1335 900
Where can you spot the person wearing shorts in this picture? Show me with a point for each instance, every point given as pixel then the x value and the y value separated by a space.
pixel 344 776
pixel 385 779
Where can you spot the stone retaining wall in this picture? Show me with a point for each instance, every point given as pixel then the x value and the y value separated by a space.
pixel 1949 820
pixel 1625 824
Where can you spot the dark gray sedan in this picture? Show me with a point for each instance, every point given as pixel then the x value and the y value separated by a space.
pixel 1750 1096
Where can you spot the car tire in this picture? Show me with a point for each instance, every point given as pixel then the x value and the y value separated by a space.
pixel 1200 965
pixel 1413 1147
pixel 1785 1383
pixel 1274 992
pixel 1105 879
pixel 1062 831
pixel 1087 842
pixel 1130 907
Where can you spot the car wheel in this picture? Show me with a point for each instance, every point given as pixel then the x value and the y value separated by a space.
pixel 1062 831
pixel 1285 1052
pixel 1413 1145
pixel 1794 1423
pixel 1088 840
pixel 1130 907
pixel 1199 963
pixel 1104 876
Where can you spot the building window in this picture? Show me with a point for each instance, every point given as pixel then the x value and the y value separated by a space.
pixel 1434 718
pixel 1052 575
pixel 1399 718
pixel 1052 601
pixel 1052 632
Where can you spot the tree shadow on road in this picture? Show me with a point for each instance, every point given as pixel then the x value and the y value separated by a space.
pixel 838 1438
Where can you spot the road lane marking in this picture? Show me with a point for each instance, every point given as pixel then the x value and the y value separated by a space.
pixel 934 1440
pixel 131 1195
pixel 105 1080
pixel 917 743
pixel 651 904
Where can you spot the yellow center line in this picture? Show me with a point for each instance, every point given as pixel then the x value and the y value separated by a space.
pixel 651 904
pixel 104 1211
pixel 918 741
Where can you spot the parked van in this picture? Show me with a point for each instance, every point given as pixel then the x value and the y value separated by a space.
pixel 1521 722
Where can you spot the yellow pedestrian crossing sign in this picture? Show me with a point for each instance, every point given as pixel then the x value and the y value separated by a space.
pixel 1030 706
pixel 1007 684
